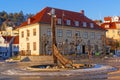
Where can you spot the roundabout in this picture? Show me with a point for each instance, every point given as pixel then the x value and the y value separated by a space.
pixel 97 69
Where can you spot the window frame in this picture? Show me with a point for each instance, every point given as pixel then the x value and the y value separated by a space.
pixel 92 35
pixel 92 25
pixel 68 22
pixel 69 33
pixel 59 32
pixel 77 23
pixel 34 32
pixel 85 35
pixel 59 21
pixel 34 46
pixel 84 24
pixel 28 46
pixel 22 34
pixel 28 33
pixel 79 33
pixel 49 32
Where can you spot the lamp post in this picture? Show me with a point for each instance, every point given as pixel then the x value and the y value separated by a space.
pixel 53 23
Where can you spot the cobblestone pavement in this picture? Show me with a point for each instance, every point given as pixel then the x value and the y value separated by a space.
pixel 115 62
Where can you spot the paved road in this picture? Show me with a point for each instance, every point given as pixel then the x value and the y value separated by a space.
pixel 91 76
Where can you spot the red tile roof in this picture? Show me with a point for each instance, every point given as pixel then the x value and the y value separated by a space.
pixel 43 17
pixel 112 25
pixel 16 40
pixel 108 18
pixel 8 38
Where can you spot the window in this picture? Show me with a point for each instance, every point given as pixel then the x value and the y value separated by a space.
pixel 48 32
pixel 34 46
pixel 69 33
pixel 106 26
pixel 76 23
pixel 113 31
pixel 92 35
pixel 84 24
pixel 59 32
pixel 14 47
pixel 68 22
pixel 118 32
pixel 59 21
pixel 85 35
pixel 22 34
pixel 78 33
pixel 28 33
pixel 118 25
pixel 28 46
pixel 34 32
pixel 91 25
pixel 98 36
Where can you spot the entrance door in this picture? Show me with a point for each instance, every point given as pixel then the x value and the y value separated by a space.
pixel 83 49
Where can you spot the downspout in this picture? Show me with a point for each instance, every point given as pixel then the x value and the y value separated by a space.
pixel 40 39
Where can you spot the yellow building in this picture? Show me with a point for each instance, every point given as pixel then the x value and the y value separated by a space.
pixel 112 25
pixel 75 33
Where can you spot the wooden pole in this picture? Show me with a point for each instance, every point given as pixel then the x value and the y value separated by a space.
pixel 53 23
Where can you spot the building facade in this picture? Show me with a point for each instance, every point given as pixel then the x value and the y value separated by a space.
pixel 75 33
pixel 9 46
pixel 112 25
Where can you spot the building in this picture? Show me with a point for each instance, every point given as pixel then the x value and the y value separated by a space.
pixel 112 25
pixel 75 33
pixel 5 46
pixel 9 46
pixel 15 46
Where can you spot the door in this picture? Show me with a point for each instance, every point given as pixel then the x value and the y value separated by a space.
pixel 83 49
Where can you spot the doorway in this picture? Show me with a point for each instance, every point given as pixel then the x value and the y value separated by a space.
pixel 83 49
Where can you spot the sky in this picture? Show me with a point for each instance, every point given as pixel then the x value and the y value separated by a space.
pixel 94 9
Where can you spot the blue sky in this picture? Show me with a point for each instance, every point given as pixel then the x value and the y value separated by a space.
pixel 94 9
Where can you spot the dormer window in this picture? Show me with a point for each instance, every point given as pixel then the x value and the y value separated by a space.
pixel 59 21
pixel 106 26
pixel 76 23
pixel 84 24
pixel 68 22
pixel 91 25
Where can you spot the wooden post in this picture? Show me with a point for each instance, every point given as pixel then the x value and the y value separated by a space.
pixel 53 23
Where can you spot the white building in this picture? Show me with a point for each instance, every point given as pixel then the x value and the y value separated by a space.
pixel 35 33
pixel 8 46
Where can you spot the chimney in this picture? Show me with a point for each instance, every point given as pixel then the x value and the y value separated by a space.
pixel 82 12
pixel 29 20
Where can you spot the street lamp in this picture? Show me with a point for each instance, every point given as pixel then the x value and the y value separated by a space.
pixel 53 23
